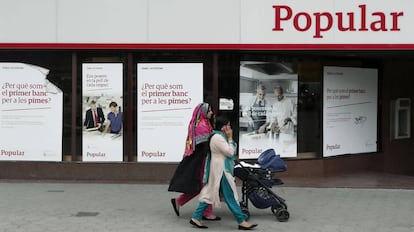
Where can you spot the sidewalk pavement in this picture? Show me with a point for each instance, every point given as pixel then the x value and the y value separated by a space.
pixel 102 207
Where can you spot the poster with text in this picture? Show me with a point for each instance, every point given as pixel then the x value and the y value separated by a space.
pixel 167 95
pixel 102 113
pixel 31 114
pixel 268 108
pixel 349 110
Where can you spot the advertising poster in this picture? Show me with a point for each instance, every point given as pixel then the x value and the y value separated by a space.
pixel 102 117
pixel 349 110
pixel 268 108
pixel 167 95
pixel 31 114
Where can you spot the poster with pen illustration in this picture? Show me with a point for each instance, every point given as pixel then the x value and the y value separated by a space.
pixel 102 112
pixel 30 106
pixel 350 102
pixel 167 93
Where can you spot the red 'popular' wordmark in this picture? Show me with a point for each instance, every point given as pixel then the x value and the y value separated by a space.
pixel 320 22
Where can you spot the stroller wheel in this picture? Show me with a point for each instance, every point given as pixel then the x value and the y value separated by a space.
pixel 282 215
pixel 243 204
pixel 283 204
pixel 278 207
pixel 246 211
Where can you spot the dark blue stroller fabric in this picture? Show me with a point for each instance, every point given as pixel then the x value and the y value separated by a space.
pixel 270 160
pixel 261 198
pixel 258 181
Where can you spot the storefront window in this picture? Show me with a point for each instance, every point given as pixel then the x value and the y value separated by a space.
pixel 265 74
pixel 232 75
pixel 34 98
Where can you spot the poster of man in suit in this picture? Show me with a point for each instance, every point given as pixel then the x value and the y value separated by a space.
pixel 102 88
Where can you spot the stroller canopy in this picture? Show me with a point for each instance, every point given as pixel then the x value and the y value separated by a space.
pixel 270 160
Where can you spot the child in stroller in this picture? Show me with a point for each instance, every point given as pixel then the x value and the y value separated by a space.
pixel 256 183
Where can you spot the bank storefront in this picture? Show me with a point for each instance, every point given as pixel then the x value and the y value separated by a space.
pixel 326 84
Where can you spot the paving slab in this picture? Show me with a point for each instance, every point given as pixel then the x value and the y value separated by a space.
pixel 101 207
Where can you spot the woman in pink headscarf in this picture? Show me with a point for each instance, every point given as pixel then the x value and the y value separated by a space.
pixel 188 177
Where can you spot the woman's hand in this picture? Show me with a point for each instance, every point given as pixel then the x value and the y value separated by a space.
pixel 229 133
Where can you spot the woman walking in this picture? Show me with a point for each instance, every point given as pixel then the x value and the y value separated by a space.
pixel 219 176
pixel 188 176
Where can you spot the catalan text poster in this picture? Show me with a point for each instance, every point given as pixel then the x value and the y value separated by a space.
pixel 102 116
pixel 30 114
pixel 349 110
pixel 167 95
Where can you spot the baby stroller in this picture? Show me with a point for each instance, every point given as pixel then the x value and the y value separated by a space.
pixel 256 183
